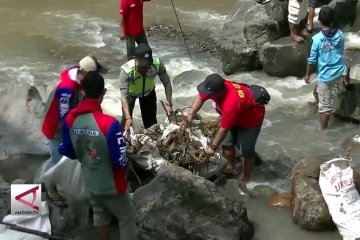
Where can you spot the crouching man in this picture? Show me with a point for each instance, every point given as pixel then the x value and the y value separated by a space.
pixel 97 141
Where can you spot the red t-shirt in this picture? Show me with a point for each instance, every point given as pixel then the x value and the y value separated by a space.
pixel 237 107
pixel 132 12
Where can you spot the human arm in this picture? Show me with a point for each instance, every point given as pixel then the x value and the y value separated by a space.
pixel 122 12
pixel 117 146
pixel 165 79
pixel 196 106
pixel 64 97
pixel 219 137
pixel 66 148
pixel 124 92
pixel 312 61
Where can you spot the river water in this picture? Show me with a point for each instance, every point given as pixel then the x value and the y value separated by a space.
pixel 41 37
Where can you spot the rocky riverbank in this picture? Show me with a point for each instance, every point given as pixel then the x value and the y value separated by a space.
pixel 198 41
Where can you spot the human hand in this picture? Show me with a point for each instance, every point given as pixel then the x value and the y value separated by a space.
pixel 128 124
pixel 169 109
pixel 209 151
pixel 184 124
pixel 122 36
pixel 345 80
pixel 307 79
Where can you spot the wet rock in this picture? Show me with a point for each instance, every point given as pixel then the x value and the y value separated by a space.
pixel 352 144
pixel 186 79
pixel 345 12
pixel 249 26
pixel 19 181
pixel 347 103
pixel 4 198
pixel 21 109
pixel 282 200
pixel 263 191
pixel 179 205
pixel 231 189
pixel 284 57
pixel 355 72
pixel 310 211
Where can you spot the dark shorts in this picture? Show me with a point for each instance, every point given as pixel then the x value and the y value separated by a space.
pixel 318 3
pixel 244 139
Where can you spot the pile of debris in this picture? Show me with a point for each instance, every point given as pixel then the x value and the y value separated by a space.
pixel 184 148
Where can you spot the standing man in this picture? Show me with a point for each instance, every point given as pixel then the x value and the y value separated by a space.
pixel 62 99
pixel 137 80
pixel 97 141
pixel 241 121
pixel 297 12
pixel 131 24
pixel 327 51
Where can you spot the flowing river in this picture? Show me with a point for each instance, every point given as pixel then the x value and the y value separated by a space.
pixel 39 38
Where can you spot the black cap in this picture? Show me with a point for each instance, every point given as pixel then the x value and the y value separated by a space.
pixel 212 84
pixel 143 54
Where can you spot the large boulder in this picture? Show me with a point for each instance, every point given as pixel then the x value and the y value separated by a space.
pixel 21 108
pixel 352 144
pixel 284 57
pixel 345 12
pixel 179 205
pixel 248 26
pixel 347 103
pixel 310 211
pixel 4 198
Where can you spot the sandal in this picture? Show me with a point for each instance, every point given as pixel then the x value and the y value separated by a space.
pixel 230 174
pixel 57 200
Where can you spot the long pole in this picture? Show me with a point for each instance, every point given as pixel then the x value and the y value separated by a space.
pixel 182 33
pixel 34 232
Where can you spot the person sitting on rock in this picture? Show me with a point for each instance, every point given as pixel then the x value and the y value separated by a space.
pixel 297 12
pixel 61 100
pixel 241 121
pixel 326 53
pixel 97 141
pixel 137 80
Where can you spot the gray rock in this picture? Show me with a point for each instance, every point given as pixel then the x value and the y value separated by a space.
pixel 264 191
pixel 248 26
pixel 20 124
pixel 352 144
pixel 347 103
pixel 345 12
pixel 179 205
pixel 19 181
pixel 310 211
pixel 284 57
pixel 4 198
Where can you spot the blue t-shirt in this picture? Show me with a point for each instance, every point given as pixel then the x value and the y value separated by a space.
pixel 327 52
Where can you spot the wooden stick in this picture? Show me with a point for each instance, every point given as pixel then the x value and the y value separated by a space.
pixel 164 107
pixel 34 232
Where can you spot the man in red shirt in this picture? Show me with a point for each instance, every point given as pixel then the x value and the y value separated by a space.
pixel 131 24
pixel 241 120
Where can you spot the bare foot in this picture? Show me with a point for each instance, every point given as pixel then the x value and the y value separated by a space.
pixel 297 38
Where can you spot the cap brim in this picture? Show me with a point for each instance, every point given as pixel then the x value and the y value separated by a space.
pixel 103 70
pixel 202 89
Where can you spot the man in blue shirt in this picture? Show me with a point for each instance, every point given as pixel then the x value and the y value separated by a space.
pixel 326 54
